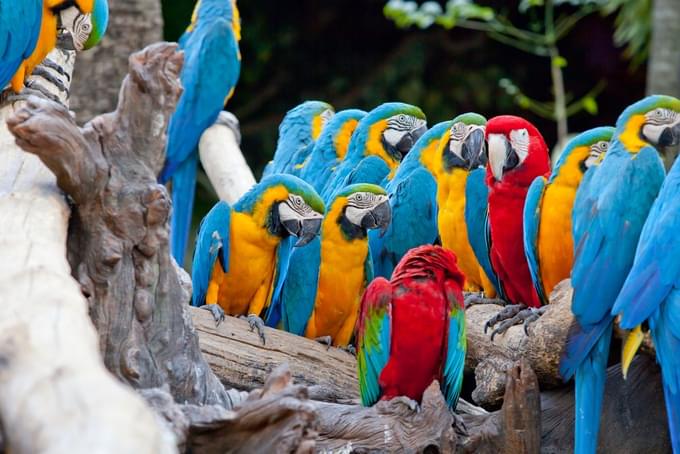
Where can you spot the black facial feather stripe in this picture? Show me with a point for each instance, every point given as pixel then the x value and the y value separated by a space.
pixel 402 122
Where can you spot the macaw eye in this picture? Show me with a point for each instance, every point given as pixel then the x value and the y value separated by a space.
pixel 604 145
pixel 402 117
pixel 359 197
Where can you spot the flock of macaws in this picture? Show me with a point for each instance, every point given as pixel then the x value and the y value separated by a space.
pixel 368 228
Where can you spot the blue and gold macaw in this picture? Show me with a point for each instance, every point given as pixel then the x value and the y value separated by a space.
pixel 212 63
pixel 331 148
pixel 29 29
pixel 609 212
pixel 298 132
pixel 651 292
pixel 238 251
pixel 548 243
pixel 322 290
pixel 379 143
pixel 462 154
pixel 413 199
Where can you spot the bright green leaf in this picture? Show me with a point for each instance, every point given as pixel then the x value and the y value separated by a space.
pixel 559 61
pixel 589 105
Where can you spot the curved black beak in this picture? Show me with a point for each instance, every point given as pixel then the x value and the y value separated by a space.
pixel 670 136
pixel 308 231
pixel 378 218
pixel 409 139
pixel 474 150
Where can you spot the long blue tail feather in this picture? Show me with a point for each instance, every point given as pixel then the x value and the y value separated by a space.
pixel 183 189
pixel 590 380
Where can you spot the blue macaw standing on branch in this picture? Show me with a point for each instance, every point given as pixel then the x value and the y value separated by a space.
pixel 298 132
pixel 609 212
pixel 212 63
pixel 19 31
pixel 651 292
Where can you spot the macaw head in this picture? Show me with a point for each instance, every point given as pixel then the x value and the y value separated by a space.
pixel 426 150
pixel 306 120
pixel 465 147
pixel 653 120
pixel 83 23
pixel 360 207
pixel 517 152
pixel 433 263
pixel 581 153
pixel 336 134
pixel 285 205
pixel 388 131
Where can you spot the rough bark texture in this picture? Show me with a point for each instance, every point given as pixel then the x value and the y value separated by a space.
pixel 118 237
pixel 222 160
pixel 663 69
pixel 133 24
pixel 55 393
pixel 239 359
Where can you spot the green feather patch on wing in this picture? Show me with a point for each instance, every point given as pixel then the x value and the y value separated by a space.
pixel 374 338
pixel 452 379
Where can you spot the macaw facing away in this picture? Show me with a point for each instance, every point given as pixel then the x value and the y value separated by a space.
pixel 548 242
pixel 379 143
pixel 212 63
pixel 609 211
pixel 411 329
pixel 331 148
pixel 464 152
pixel 84 20
pixel 298 132
pixel 322 290
pixel 651 292
pixel 237 251
pixel 19 31
pixel 517 155
pixel 413 199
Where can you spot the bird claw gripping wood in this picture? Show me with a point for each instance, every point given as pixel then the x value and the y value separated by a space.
pixel 216 311
pixel 256 323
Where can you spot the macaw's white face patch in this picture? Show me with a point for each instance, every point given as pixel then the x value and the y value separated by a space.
pixel 596 153
pixel 78 25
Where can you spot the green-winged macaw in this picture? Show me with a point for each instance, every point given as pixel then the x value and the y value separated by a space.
pixel 29 29
pixel 212 64
pixel 464 153
pixel 548 243
pixel 609 211
pixel 298 131
pixel 237 251
pixel 411 329
pixel 651 292
pixel 413 199
pixel 331 148
pixel 517 154
pixel 325 280
pixel 380 141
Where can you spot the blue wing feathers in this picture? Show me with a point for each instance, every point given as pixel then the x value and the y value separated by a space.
pixel 532 222
pixel 455 360
pixel 183 189
pixel 212 243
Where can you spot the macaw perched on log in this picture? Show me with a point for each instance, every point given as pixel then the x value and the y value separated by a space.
pixel 379 143
pixel 299 130
pixel 411 329
pixel 237 253
pixel 464 152
pixel 651 293
pixel 331 148
pixel 29 30
pixel 517 155
pixel 609 212
pixel 325 281
pixel 548 243
pixel 212 63
pixel 413 199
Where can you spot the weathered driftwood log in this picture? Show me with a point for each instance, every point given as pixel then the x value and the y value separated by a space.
pixel 239 359
pixel 118 237
pixel 222 160
pixel 55 393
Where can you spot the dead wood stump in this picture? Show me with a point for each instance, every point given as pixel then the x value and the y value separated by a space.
pixel 118 236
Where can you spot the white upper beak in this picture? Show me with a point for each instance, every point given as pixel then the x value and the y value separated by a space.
pixel 497 154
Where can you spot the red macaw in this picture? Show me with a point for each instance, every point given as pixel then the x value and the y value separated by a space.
pixel 517 155
pixel 411 329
